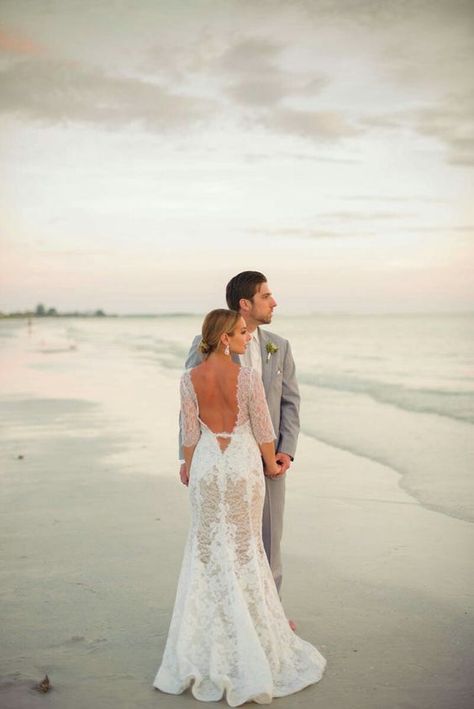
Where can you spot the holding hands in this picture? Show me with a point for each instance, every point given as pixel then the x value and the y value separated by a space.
pixel 282 463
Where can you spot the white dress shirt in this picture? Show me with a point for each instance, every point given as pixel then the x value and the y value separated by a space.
pixel 253 355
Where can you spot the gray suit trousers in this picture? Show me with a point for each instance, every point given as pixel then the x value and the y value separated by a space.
pixel 272 524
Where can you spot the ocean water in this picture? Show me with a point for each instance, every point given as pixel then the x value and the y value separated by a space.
pixel 396 389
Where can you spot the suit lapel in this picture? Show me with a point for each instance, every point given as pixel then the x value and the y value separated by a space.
pixel 266 368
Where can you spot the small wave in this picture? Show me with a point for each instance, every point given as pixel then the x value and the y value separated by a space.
pixel 441 505
pixel 457 405
pixel 166 353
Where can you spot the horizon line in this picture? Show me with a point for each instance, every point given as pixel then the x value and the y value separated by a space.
pixel 173 313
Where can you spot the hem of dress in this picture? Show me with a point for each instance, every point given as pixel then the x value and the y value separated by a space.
pixel 259 697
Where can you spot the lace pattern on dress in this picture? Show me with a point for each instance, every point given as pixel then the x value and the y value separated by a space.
pixel 189 412
pixel 253 405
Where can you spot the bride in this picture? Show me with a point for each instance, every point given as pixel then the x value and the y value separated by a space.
pixel 228 633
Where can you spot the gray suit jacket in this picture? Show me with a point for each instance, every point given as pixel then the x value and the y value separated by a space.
pixel 281 389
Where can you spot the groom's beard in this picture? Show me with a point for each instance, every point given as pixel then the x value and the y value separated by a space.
pixel 265 319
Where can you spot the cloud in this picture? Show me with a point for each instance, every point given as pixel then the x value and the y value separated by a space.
pixel 306 157
pixel 432 49
pixel 18 44
pixel 308 233
pixel 451 123
pixel 379 13
pixel 347 225
pixel 362 231
pixel 258 92
pixel 448 121
pixel 366 216
pixel 457 229
pixel 214 56
pixel 394 120
pixel 251 69
pixel 389 198
pixel 251 56
pixel 76 253
pixel 320 126
pixel 267 91
pixel 247 70
pixel 56 91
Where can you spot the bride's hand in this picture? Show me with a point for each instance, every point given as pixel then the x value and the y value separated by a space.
pixel 274 471
pixel 183 474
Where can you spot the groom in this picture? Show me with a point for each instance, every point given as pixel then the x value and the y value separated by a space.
pixel 249 294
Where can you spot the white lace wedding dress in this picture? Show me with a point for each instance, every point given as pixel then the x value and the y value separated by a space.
pixel 228 631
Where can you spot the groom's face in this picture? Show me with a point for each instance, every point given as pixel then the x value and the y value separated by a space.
pixel 262 304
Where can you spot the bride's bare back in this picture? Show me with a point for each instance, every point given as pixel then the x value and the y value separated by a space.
pixel 216 391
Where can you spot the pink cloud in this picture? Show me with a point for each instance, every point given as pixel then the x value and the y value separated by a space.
pixel 19 44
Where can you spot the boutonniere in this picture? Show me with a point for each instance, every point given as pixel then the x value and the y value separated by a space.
pixel 271 349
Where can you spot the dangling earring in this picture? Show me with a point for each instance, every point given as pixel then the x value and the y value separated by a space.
pixel 227 350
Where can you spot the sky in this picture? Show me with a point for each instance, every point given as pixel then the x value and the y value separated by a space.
pixel 151 150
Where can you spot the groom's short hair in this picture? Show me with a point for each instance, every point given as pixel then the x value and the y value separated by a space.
pixel 243 285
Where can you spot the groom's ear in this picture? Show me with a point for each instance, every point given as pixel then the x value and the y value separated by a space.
pixel 244 304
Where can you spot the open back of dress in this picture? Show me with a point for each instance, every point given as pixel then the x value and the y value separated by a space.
pixel 217 402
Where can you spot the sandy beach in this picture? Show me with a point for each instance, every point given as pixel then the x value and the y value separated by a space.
pixel 93 521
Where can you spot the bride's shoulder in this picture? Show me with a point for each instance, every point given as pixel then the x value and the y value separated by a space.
pixel 197 369
pixel 191 374
pixel 186 375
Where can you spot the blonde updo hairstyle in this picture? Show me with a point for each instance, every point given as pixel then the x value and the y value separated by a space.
pixel 215 324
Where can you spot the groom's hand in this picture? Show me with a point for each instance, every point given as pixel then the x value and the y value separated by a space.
pixel 183 474
pixel 284 460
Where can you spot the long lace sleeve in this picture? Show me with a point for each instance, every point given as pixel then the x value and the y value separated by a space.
pixel 189 412
pixel 259 414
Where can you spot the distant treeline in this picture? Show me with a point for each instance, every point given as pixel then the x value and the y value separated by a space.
pixel 42 311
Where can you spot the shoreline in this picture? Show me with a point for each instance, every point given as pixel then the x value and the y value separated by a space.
pixel 402 475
